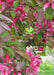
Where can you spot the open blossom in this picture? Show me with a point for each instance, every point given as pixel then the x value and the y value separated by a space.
pixel 46 5
pixel 15 19
pixel 19 73
pixel 40 48
pixel 52 5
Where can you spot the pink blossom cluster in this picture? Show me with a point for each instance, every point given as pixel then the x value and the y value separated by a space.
pixel 33 69
pixel 5 70
pixel 20 10
pixel 47 4
pixel 1 1
pixel 10 2
pixel 8 70
pixel 34 66
pixel 20 14
pixel 7 60
pixel 47 27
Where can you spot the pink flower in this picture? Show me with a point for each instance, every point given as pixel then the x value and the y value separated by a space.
pixel 52 5
pixel 13 25
pixel 7 60
pixel 34 65
pixel 46 5
pixel 36 69
pixel 15 19
pixel 20 11
pixel 10 2
pixel 47 34
pixel 35 14
pixel 19 73
pixel 1 1
pixel 40 48
pixel 28 51
pixel 5 70
pixel 2 8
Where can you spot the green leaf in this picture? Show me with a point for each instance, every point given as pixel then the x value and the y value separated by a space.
pixel 38 8
pixel 21 45
pixel 39 35
pixel 42 44
pixel 9 49
pixel 5 33
pixel 26 9
pixel 16 3
pixel 42 54
pixel 33 3
pixel 11 43
pixel 13 30
pixel 49 13
pixel 20 25
pixel 13 14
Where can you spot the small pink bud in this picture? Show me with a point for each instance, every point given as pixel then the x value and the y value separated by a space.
pixel 35 14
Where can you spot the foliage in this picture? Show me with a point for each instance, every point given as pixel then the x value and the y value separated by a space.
pixel 26 28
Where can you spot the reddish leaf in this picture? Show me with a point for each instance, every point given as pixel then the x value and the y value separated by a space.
pixel 40 16
pixel 30 17
pixel 1 52
pixel 6 38
pixel 22 53
pixel 4 26
pixel 19 65
pixel 5 18
pixel 1 29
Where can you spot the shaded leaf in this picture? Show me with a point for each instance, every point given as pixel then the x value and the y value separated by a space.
pixel 22 53
pixel 30 17
pixel 36 42
pixel 39 35
pixel 49 15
